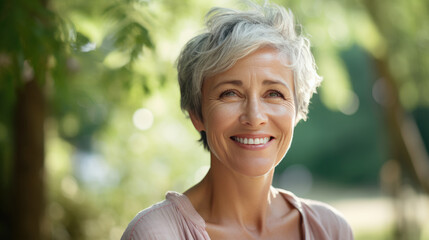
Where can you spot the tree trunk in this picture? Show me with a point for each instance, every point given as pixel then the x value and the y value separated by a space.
pixel 28 173
pixel 406 143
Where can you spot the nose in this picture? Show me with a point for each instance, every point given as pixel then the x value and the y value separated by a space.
pixel 254 113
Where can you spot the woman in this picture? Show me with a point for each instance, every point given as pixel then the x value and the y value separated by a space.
pixel 245 82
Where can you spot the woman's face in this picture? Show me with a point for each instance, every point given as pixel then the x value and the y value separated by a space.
pixel 249 114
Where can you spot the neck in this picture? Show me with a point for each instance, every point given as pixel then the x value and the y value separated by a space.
pixel 229 197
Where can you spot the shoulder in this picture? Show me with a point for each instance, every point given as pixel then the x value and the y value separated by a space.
pixel 152 223
pixel 325 219
pixel 321 218
pixel 322 212
pixel 173 218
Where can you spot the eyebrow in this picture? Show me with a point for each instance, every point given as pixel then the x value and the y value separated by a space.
pixel 233 82
pixel 265 82
pixel 276 82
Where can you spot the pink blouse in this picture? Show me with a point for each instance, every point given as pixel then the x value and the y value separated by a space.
pixel 176 218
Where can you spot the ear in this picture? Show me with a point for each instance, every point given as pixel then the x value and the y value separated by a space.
pixel 198 123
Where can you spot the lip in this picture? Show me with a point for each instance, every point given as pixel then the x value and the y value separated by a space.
pixel 253 146
pixel 262 135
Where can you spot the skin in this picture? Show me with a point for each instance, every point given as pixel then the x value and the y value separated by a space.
pixel 253 99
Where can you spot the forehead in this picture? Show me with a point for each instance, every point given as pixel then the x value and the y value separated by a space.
pixel 263 64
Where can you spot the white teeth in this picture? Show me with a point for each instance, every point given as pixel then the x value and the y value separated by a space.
pixel 252 141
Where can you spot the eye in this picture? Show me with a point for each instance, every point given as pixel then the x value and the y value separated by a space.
pixel 228 93
pixel 274 94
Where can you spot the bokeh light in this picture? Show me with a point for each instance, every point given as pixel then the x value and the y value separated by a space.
pixel 143 118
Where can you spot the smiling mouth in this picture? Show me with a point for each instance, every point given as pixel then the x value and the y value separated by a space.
pixel 252 141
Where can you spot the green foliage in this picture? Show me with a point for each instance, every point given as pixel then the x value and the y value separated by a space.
pixel 130 33
pixel 33 34
pixel 405 29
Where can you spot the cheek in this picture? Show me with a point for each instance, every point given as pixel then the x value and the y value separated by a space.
pixel 218 121
pixel 219 116
pixel 283 112
pixel 283 117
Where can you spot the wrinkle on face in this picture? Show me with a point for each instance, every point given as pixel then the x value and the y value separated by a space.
pixel 249 108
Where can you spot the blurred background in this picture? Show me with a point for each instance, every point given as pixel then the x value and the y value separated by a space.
pixel 91 131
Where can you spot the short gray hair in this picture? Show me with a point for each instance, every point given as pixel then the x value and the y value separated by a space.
pixel 231 35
